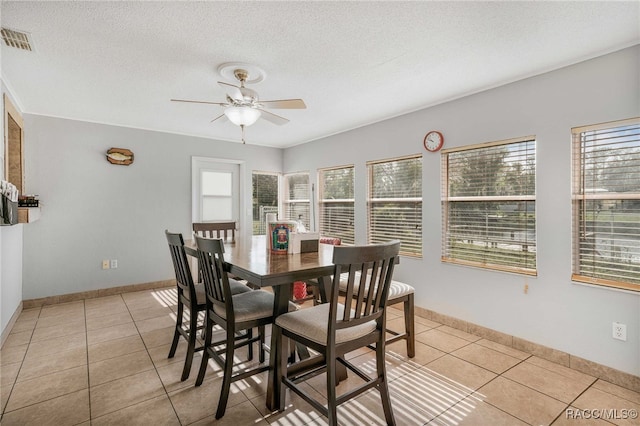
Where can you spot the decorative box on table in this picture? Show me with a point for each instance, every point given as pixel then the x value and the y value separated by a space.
pixel 280 235
pixel 303 242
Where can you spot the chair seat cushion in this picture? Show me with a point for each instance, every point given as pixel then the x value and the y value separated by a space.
pixel 313 323
pixel 249 306
pixel 201 298
pixel 252 304
pixel 237 287
pixel 396 288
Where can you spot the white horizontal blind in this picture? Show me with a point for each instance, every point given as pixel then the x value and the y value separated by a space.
pixel 296 198
pixel 395 203
pixel 606 204
pixel 489 207
pixel 336 203
pixel 265 199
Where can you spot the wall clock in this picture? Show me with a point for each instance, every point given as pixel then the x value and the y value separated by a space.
pixel 433 141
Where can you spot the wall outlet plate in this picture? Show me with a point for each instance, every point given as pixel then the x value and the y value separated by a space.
pixel 620 331
pixel 114 263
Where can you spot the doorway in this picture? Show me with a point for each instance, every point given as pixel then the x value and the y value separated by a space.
pixel 217 191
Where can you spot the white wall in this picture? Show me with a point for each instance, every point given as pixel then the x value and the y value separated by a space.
pixel 94 210
pixel 10 252
pixel 556 312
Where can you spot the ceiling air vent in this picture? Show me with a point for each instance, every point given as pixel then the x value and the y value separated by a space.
pixel 17 39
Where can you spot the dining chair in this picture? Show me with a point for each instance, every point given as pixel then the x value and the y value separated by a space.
pixel 332 329
pixel 224 230
pixel 237 314
pixel 399 292
pixel 191 298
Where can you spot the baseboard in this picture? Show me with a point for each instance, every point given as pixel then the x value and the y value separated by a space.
pixel 617 377
pixel 92 294
pixel 10 324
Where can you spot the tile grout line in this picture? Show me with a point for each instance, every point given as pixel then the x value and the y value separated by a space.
pixel 21 365
pixel 155 368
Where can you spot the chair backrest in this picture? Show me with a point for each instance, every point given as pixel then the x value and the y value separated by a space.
pixel 224 230
pixel 181 266
pixel 216 280
pixel 368 271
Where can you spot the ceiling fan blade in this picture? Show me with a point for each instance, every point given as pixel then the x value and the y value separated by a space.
pixel 273 118
pixel 232 90
pixel 221 117
pixel 199 102
pixel 285 104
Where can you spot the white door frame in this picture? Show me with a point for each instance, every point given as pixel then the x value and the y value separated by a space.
pixel 242 221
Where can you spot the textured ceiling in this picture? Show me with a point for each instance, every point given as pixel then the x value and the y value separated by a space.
pixel 353 63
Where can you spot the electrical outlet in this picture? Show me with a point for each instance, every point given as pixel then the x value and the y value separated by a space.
pixel 620 331
pixel 105 264
pixel 114 263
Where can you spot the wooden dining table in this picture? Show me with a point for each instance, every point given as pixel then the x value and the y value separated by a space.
pixel 252 260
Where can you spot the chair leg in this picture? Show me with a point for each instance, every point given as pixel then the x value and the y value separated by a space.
pixel 250 347
pixel 383 388
pixel 285 344
pixel 261 342
pixel 176 334
pixel 332 410
pixel 409 325
pixel 205 353
pixel 228 371
pixel 191 348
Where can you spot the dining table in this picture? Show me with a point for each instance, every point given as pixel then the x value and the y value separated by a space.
pixel 251 259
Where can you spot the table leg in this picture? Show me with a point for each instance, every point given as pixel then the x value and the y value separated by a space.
pixel 281 306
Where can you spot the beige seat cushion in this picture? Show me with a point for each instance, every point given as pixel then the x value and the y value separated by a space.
pixel 312 323
pixel 249 306
pixel 237 287
pixel 396 288
pixel 252 305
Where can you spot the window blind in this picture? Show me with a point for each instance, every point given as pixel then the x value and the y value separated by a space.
pixel 297 195
pixel 336 203
pixel 395 203
pixel 488 205
pixel 265 199
pixel 606 204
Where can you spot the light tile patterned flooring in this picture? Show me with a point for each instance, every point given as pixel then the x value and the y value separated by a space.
pixel 104 361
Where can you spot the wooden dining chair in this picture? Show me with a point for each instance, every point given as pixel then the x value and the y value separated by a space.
pixel 191 299
pixel 237 314
pixel 224 230
pixel 332 329
pixel 399 292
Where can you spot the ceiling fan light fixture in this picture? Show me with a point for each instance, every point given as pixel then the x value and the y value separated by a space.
pixel 242 115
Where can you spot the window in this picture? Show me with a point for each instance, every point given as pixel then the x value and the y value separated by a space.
pixel 265 199
pixel 606 204
pixel 395 203
pixel 336 203
pixel 216 190
pixel 296 198
pixel 489 207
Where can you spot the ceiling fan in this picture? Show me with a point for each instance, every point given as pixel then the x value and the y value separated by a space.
pixel 243 106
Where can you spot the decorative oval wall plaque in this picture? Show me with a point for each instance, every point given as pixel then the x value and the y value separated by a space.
pixel 120 156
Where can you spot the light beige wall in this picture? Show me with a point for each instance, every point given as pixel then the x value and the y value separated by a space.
pixel 556 312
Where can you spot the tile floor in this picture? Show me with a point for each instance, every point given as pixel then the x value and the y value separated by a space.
pixel 104 361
